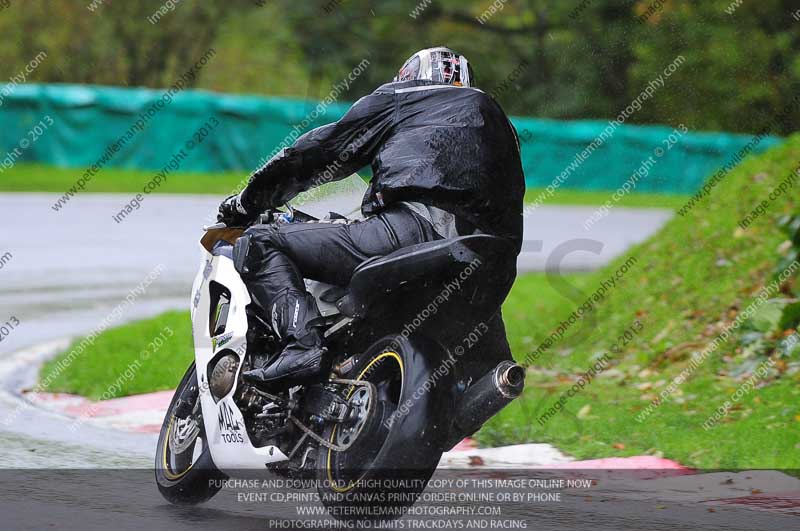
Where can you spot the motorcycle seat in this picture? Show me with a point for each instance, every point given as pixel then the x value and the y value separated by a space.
pixel 382 275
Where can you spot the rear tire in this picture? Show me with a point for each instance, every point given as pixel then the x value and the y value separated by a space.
pixel 188 476
pixel 389 465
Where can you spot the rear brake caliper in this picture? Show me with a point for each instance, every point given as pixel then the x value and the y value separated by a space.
pixel 351 413
pixel 325 403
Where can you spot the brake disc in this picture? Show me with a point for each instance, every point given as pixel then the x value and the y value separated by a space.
pixel 183 434
pixel 184 431
pixel 360 403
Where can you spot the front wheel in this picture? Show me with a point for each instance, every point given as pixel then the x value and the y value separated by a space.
pixel 185 472
pixel 395 453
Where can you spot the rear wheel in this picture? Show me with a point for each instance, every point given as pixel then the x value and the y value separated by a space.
pixel 394 454
pixel 185 472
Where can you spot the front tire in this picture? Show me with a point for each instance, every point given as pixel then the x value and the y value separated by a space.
pixel 185 472
pixel 396 453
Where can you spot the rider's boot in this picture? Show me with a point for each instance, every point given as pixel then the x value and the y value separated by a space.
pixel 303 359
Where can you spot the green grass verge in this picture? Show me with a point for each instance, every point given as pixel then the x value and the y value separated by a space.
pixel 122 361
pixel 690 280
pixel 42 178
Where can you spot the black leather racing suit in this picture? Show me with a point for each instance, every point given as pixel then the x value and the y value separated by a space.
pixel 440 146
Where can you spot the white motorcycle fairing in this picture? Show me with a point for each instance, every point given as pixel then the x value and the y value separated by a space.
pixel 226 435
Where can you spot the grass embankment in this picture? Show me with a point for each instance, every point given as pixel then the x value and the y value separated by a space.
pixel 689 282
pixel 42 178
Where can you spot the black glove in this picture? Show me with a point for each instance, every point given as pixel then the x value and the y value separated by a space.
pixel 233 213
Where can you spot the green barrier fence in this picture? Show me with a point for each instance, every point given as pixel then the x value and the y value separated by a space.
pixel 145 129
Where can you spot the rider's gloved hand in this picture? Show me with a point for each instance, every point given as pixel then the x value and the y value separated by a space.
pixel 233 213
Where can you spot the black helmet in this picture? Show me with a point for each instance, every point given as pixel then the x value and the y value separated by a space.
pixel 440 64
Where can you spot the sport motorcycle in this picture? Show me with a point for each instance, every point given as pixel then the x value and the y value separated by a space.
pixel 404 384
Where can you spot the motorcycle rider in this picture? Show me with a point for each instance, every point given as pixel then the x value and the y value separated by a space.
pixel 445 162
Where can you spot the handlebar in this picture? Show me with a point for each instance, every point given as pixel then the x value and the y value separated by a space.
pixel 268 216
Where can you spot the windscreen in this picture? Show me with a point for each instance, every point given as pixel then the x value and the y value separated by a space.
pixel 343 197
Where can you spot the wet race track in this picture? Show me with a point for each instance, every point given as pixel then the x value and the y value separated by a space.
pixel 64 272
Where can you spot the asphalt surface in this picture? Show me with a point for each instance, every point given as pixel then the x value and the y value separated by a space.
pixel 131 502
pixel 69 268
pixel 63 272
